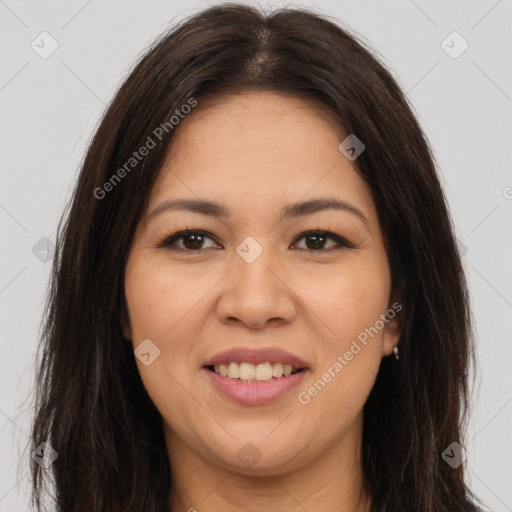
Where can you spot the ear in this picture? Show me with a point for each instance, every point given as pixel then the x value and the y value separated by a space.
pixel 124 320
pixel 392 328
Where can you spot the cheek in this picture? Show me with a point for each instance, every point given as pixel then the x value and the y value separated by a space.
pixel 349 351
pixel 345 300
pixel 161 297
pixel 363 298
pixel 163 304
pixel 349 304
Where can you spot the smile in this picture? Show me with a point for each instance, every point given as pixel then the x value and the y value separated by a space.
pixel 247 372
pixel 255 376
pixel 255 392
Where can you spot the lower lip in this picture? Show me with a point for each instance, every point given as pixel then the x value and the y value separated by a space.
pixel 256 393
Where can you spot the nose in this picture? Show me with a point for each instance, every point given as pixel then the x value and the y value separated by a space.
pixel 257 294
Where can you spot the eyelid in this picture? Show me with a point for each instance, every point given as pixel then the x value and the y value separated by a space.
pixel 341 242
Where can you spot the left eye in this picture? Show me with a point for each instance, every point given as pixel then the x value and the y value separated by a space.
pixel 193 240
pixel 319 238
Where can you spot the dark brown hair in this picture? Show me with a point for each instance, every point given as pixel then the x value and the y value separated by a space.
pixel 91 405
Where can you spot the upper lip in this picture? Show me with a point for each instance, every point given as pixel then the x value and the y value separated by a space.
pixel 256 356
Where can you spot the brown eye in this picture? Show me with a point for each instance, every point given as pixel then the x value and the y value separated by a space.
pixel 192 240
pixel 316 240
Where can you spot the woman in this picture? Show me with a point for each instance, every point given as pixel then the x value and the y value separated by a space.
pixel 257 300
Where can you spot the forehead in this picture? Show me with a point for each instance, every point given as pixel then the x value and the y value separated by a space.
pixel 257 148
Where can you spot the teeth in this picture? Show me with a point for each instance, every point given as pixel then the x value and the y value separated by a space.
pixel 263 372
pixel 247 371
pixel 233 371
pixel 250 372
pixel 277 369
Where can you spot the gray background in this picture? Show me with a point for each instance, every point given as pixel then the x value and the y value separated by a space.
pixel 50 107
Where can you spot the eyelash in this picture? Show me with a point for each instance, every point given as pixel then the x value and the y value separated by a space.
pixel 170 240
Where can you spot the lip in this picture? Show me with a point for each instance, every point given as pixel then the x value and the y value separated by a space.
pixel 256 356
pixel 255 393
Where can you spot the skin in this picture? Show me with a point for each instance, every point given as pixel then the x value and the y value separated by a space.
pixel 256 153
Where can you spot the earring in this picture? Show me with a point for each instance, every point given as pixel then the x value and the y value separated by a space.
pixel 395 350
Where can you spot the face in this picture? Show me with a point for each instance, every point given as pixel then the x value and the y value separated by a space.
pixel 255 279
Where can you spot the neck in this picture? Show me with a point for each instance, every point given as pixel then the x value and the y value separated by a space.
pixel 331 482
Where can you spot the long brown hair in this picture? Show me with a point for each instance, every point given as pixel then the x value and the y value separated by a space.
pixel 92 407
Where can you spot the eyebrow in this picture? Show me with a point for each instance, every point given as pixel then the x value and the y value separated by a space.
pixel 294 210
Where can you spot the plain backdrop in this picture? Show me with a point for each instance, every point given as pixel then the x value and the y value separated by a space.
pixel 50 105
